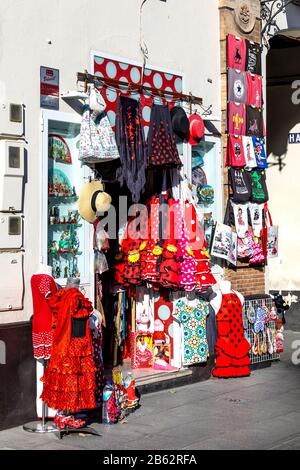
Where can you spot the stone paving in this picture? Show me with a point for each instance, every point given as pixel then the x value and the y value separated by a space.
pixel 257 412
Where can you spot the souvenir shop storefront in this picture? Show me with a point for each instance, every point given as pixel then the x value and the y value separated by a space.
pixel 134 190
pixel 135 242
pixel 151 240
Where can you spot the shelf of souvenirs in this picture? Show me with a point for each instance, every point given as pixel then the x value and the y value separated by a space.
pixel 65 253
pixel 62 279
pixel 61 225
pixel 61 160
pixel 53 198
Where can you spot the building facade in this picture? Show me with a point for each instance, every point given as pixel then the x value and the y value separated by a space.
pixel 187 39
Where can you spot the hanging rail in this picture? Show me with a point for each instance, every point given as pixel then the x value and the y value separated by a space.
pixel 110 82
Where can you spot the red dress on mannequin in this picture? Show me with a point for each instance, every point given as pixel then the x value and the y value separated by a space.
pixel 69 379
pixel 42 285
pixel 232 348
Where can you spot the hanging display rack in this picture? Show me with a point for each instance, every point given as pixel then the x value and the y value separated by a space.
pixel 139 88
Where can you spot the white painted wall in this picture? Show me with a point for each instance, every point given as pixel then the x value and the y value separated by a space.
pixel 180 35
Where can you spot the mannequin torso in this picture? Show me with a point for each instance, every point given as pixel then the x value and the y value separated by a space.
pixel 44 269
pixel 225 288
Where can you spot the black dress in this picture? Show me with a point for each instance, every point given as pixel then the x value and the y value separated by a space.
pixel 162 150
pixel 132 147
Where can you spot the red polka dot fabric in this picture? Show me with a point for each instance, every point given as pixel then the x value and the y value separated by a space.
pixel 132 74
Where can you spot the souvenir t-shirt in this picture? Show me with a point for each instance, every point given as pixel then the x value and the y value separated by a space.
pixel 249 152
pixel 253 57
pixel 236 118
pixel 256 216
pixel 254 125
pixel 240 184
pixel 240 219
pixel 235 155
pixel 236 52
pixel 259 186
pixel 254 90
pixel 260 152
pixel 237 86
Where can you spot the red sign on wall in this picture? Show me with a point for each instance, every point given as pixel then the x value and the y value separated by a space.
pixel 49 80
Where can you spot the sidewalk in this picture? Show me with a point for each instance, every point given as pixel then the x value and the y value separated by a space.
pixel 258 412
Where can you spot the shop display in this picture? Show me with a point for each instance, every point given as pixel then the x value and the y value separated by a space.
pixel 249 152
pixel 254 90
pixel 110 412
pixel 259 186
pixel 240 219
pixel 161 143
pixel 236 118
pixel 254 121
pixel 237 86
pixel 240 184
pixel 69 380
pixel 59 184
pixel 180 123
pixel 153 282
pixel 224 243
pixel 42 286
pixel 65 229
pixel 170 258
pixel 256 216
pixel 92 200
pixel 192 316
pixel 132 147
pixel 235 152
pixel 236 52
pixel 142 350
pixel 197 129
pixel 260 152
pixel 232 348
pixel 95 321
pixel 59 149
pixel 246 152
pixel 253 57
pixel 261 325
pixel 97 140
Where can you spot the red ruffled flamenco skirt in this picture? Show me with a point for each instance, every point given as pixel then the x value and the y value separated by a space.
pixel 69 384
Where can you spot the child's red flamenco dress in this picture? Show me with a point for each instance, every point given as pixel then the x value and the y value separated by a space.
pixel 69 379
pixel 232 348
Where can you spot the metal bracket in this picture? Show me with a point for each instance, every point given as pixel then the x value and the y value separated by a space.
pixel 270 9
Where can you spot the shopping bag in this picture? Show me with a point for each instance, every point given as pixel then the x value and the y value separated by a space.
pixel 269 235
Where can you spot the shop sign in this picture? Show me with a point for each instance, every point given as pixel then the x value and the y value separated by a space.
pixel 49 80
pixel 294 138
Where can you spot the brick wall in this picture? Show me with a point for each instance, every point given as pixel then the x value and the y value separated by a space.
pixel 244 279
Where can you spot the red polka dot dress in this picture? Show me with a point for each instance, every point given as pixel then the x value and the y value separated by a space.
pixel 232 348
pixel 169 266
pixel 152 251
pixel 187 279
pixel 42 286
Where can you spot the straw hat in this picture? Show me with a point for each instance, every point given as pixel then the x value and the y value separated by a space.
pixel 93 199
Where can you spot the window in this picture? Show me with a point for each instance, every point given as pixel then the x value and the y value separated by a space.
pixel 14 157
